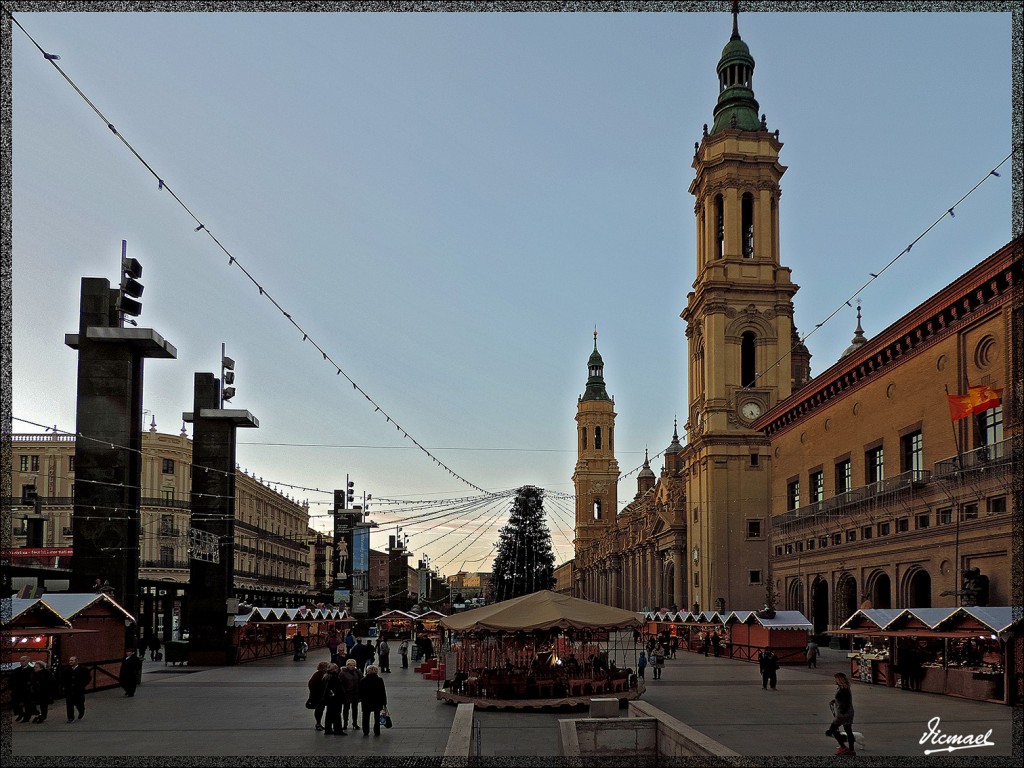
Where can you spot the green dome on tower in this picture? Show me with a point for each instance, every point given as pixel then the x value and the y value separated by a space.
pixel 737 107
pixel 595 381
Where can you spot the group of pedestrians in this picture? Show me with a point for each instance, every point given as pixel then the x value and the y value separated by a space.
pixel 340 687
pixel 34 688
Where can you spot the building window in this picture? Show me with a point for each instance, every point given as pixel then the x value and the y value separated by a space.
pixel 167 494
pixel 597 438
pixel 28 494
pixel 71 463
pixel 753 529
pixel 168 466
pixel 696 578
pixel 778 551
pixel 719 227
pixel 997 505
pixel 597 509
pixel 789 549
pixel 167 557
pixel 990 426
pixel 747 218
pixel 969 512
pixel 874 465
pixel 884 529
pixel 584 438
pixel 837 538
pixel 944 516
pixel 696 514
pixel 817 486
pixel 844 477
pixel 755 577
pixel 748 360
pixel 793 495
pixel 799 546
pixel 923 521
pixel 754 459
pixel 903 525
pixel 866 532
pixel 851 535
pixel 24 464
pixel 912 453
pixel 823 542
pixel 810 544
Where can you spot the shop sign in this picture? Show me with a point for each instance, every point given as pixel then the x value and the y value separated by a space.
pixel 39 552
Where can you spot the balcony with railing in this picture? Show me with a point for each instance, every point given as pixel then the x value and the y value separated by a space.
pixel 883 492
pixel 995 456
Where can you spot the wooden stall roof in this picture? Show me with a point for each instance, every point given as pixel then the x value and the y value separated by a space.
pixel 24 611
pixel 933 622
pixel 781 620
pixel 394 614
pixel 267 615
pixel 542 610
pixel 431 615
pixel 71 604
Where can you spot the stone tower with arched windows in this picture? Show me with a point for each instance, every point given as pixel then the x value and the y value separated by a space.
pixel 739 328
pixel 597 472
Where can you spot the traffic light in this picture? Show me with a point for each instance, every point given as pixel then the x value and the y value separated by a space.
pixel 227 377
pixel 350 493
pixel 131 288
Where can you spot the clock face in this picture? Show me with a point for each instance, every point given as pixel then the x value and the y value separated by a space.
pixel 751 410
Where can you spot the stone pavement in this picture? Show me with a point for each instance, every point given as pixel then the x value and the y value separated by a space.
pixel 256 709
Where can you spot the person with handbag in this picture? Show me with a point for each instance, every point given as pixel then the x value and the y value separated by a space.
pixel 350 677
pixel 373 696
pixel 315 700
pixel 842 708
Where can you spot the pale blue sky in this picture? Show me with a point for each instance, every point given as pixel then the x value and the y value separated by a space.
pixel 449 203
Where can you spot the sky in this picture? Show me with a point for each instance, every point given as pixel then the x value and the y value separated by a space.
pixel 448 204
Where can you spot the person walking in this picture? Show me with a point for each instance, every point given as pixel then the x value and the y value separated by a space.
pixel 74 679
pixel 350 643
pixel 641 665
pixel 42 688
pixel 332 697
pixel 373 696
pixel 315 684
pixel 350 677
pixel 131 671
pixel 403 651
pixel 21 691
pixel 716 643
pixel 333 642
pixel 811 653
pixel 768 663
pixel 658 661
pixel 842 709
pixel 384 655
pixel 154 648
pixel 298 646
pixel 675 646
pixel 705 642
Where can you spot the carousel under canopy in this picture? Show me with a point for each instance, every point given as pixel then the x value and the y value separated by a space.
pixel 540 650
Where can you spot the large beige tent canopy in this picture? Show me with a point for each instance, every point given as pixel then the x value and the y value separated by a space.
pixel 542 610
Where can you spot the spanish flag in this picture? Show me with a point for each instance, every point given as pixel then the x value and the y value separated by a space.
pixel 977 400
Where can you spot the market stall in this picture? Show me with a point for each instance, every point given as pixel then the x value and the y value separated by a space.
pixel 540 650
pixel 786 633
pixel 700 626
pixel 395 624
pixel 265 632
pixel 967 652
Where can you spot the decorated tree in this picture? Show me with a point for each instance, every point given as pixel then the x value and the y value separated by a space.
pixel 525 562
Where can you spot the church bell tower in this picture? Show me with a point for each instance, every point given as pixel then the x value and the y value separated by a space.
pixel 597 472
pixel 739 329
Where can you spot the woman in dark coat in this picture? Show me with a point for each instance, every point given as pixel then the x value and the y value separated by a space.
pixel 332 696
pixel 374 697
pixel 315 685
pixel 41 689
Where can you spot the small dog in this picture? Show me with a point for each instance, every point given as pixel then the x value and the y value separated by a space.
pixel 858 738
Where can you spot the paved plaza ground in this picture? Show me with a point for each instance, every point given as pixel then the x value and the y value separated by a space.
pixel 257 709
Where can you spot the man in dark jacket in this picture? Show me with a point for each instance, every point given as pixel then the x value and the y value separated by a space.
pixel 374 697
pixel 769 665
pixel 21 697
pixel 332 698
pixel 361 653
pixel 131 671
pixel 350 677
pixel 41 689
pixel 74 679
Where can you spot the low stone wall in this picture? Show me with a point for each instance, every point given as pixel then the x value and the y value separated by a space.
pixel 459 751
pixel 591 737
pixel 676 738
pixel 648 736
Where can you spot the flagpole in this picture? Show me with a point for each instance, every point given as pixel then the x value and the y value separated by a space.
pixel 956 505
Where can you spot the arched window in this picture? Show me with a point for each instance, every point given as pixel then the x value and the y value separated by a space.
pixel 597 508
pixel 584 446
pixel 748 367
pixel 719 227
pixel 597 438
pixel 611 435
pixel 747 232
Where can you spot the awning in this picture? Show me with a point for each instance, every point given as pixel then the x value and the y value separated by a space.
pixel 34 631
